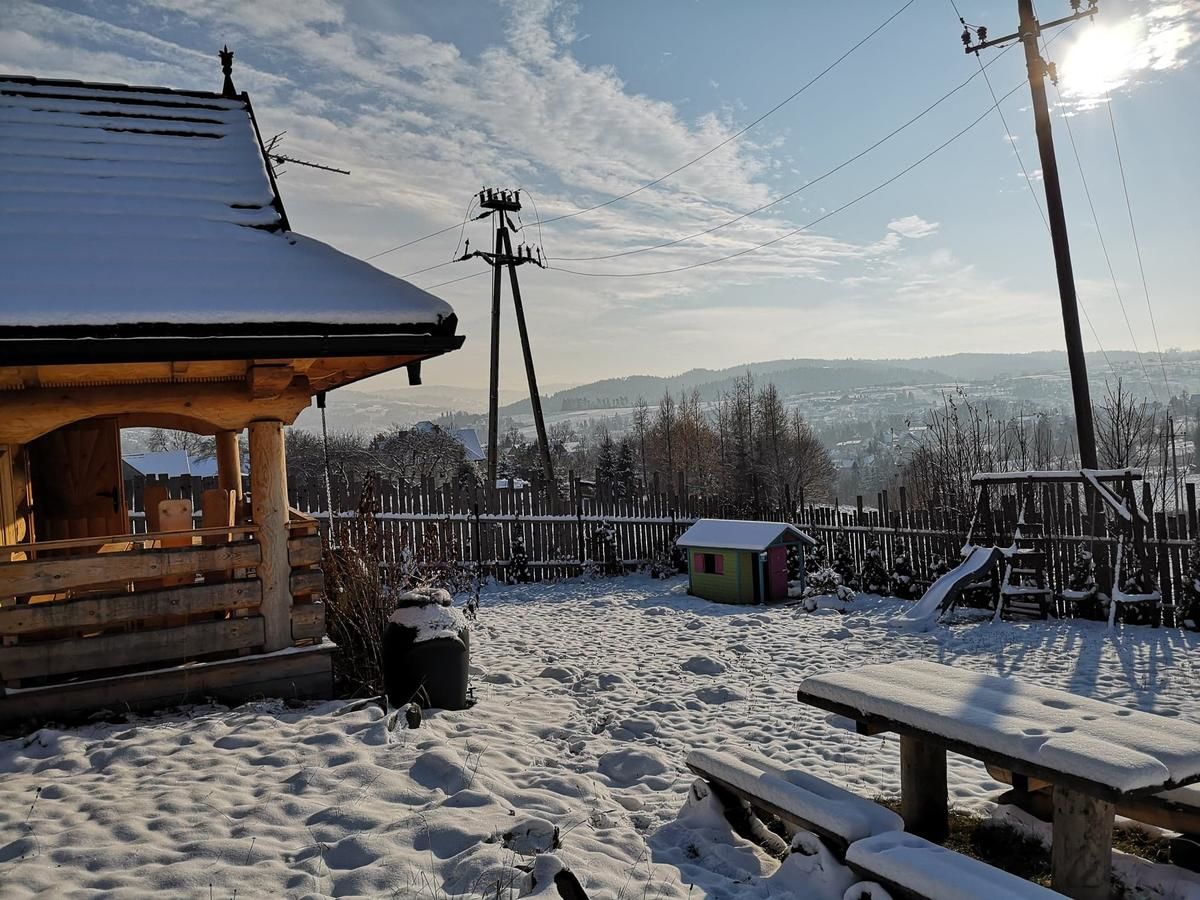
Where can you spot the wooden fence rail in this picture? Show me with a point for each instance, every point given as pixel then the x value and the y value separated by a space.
pixel 563 534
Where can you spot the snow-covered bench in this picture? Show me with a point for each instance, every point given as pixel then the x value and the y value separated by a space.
pixel 837 816
pixel 906 864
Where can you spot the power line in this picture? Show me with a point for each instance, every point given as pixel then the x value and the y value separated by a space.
pixel 1136 245
pixel 808 226
pixel 778 106
pixel 789 194
pixel 454 280
pixel 1012 140
pixel 413 241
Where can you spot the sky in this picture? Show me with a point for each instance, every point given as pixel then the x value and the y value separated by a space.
pixel 580 102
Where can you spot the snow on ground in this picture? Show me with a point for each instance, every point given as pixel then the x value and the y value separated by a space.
pixel 591 694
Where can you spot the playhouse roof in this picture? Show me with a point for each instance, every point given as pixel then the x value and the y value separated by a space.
pixel 737 534
pixel 133 212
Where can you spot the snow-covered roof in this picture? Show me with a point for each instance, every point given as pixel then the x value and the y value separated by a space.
pixel 168 463
pixel 469 438
pixel 128 206
pixel 736 534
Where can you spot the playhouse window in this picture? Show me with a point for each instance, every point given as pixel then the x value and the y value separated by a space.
pixel 709 563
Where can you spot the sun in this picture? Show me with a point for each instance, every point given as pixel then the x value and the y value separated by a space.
pixel 1101 59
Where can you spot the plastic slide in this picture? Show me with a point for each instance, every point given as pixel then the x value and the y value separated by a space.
pixel 924 613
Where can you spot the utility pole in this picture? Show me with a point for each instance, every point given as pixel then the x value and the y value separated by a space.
pixel 1029 29
pixel 497 205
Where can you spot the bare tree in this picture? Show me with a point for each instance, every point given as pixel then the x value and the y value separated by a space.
pixel 1126 429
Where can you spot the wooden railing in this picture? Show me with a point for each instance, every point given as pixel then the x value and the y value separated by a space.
pixel 102 605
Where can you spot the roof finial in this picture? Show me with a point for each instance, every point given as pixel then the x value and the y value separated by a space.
pixel 227 89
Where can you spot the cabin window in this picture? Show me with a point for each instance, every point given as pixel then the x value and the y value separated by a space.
pixel 708 563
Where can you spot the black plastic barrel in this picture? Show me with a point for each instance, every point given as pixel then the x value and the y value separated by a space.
pixel 430 673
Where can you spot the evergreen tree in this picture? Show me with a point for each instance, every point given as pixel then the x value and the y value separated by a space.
pixel 794 557
pixel 903 585
pixel 1080 594
pixel 816 557
pixel 623 468
pixel 606 462
pixel 875 578
pixel 843 563
pixel 518 564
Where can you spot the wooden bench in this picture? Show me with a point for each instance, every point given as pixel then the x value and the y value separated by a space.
pixel 795 798
pixel 1096 755
pixel 907 865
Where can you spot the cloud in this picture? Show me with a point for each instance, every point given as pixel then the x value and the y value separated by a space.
pixel 912 227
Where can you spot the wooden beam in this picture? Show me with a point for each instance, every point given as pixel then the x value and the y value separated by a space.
pixel 306 581
pixel 237 531
pixel 132 648
pixel 301 673
pixel 99 612
pixel 308 621
pixel 51 576
pixel 205 408
pixel 268 382
pixel 229 463
pixel 268 496
pixel 305 551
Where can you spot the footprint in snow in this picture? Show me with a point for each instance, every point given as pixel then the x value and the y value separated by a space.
pixel 703 665
pixel 720 694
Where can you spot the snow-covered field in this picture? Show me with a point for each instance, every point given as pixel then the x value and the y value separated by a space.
pixel 590 693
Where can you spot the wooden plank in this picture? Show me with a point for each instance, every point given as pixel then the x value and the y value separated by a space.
pixel 97 612
pixel 129 649
pixel 146 537
pixel 301 673
pixel 307 581
pixel 308 621
pixel 49 576
pixel 305 551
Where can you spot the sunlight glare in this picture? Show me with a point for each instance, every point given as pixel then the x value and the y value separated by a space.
pixel 1103 58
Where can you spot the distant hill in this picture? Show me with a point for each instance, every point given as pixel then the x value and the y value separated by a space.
pixel 794 376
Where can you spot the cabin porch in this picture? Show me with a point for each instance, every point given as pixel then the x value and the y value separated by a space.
pixel 95 616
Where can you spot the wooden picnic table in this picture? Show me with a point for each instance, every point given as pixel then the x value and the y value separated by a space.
pixel 1095 754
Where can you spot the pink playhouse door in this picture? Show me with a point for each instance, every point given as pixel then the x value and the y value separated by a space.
pixel 777 577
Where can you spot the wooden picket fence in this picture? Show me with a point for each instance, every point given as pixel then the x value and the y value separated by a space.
pixel 471 525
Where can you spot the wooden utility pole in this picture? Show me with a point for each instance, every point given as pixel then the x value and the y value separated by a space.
pixel 1029 30
pixel 497 205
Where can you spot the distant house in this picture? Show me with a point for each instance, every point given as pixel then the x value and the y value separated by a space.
pixel 157 464
pixel 472 449
pixel 734 561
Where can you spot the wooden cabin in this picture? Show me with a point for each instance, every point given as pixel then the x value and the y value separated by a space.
pixel 152 279
pixel 734 561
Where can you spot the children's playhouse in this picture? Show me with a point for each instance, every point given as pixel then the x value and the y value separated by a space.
pixel 732 561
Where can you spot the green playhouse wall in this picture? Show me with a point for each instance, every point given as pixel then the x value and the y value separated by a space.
pixel 735 586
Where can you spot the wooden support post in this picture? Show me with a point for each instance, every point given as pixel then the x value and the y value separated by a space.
pixel 1081 858
pixel 229 463
pixel 269 507
pixel 923 797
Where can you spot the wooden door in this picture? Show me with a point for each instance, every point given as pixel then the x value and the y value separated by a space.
pixel 777 574
pixel 78 490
